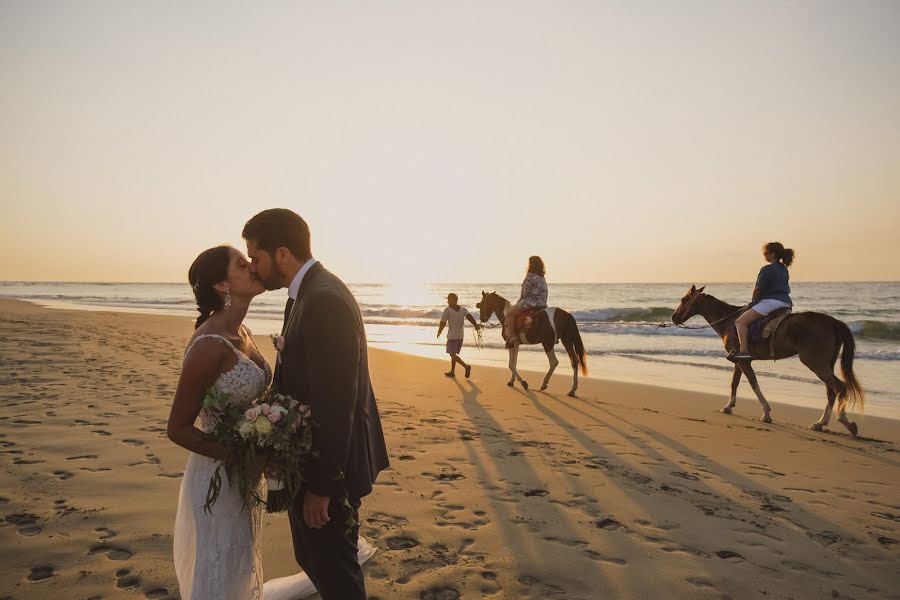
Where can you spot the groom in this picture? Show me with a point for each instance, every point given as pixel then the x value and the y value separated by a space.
pixel 323 364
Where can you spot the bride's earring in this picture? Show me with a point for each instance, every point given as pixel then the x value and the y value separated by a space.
pixel 227 300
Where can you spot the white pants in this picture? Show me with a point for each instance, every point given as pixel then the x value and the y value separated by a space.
pixel 764 307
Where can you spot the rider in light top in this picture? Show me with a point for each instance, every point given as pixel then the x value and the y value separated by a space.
pixel 771 292
pixel 533 295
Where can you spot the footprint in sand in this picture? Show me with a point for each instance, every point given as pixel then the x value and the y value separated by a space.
pixel 105 533
pixel 696 552
pixel 886 515
pixel 826 538
pixel 569 543
pixel 399 542
pixel 608 524
pixel 546 589
pixel 126 581
pixel 445 477
pixel 387 521
pixel 700 582
pixel 490 585
pixel 40 572
pixel 102 432
pixel 157 593
pixel 171 475
pixel 730 556
pixel 442 592
pixel 27 461
pixel 63 475
pixel 26 524
pixel 62 508
pixel 82 457
pixel 133 442
pixel 601 558
pixel 683 475
pixel 110 552
pixel 538 493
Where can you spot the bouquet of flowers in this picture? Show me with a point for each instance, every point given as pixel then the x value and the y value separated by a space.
pixel 275 424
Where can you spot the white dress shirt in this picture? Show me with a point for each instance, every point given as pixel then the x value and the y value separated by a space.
pixel 294 288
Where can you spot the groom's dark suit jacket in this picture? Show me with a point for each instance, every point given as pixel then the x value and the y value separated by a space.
pixel 325 364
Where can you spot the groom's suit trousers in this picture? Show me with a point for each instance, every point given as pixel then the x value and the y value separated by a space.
pixel 324 363
pixel 328 555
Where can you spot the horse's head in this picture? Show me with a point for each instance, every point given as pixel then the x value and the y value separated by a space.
pixel 688 307
pixel 488 304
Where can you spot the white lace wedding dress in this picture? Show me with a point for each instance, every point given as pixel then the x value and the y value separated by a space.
pixel 218 555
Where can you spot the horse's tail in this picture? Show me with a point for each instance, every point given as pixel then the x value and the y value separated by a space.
pixel 580 354
pixel 852 394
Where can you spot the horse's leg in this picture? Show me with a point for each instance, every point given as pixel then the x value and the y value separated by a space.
pixel 551 356
pixel 735 380
pixel 826 415
pixel 751 377
pixel 513 359
pixel 850 425
pixel 573 358
pixel 833 387
pixel 571 393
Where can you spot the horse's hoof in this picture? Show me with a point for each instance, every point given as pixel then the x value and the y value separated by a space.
pixel 571 395
pixel 525 384
pixel 766 419
pixel 816 427
pixel 543 387
pixel 853 429
pixel 510 384
pixel 726 410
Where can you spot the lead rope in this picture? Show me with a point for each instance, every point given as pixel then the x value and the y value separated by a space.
pixel 476 336
pixel 726 317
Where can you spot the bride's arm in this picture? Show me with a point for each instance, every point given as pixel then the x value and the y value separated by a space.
pixel 201 367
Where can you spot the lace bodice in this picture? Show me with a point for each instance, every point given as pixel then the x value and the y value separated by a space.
pixel 245 381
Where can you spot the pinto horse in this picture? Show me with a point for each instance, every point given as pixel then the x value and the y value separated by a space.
pixel 549 326
pixel 815 337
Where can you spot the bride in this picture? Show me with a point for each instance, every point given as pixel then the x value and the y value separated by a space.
pixel 218 554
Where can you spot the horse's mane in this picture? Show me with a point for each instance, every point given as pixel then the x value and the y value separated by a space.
pixel 721 302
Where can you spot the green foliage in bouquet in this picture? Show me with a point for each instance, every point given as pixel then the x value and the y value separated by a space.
pixel 276 425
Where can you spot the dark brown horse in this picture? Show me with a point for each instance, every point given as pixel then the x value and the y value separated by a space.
pixel 815 337
pixel 550 326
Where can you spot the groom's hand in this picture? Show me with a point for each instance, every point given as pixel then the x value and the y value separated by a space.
pixel 315 510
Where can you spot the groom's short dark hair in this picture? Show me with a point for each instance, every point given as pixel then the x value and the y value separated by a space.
pixel 279 227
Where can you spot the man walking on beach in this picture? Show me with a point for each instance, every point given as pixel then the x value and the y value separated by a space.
pixel 456 315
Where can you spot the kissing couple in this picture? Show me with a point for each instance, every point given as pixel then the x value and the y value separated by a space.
pixel 323 364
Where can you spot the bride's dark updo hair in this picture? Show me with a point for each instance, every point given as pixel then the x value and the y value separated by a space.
pixel 208 269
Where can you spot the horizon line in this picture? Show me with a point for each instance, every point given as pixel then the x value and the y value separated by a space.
pixel 706 282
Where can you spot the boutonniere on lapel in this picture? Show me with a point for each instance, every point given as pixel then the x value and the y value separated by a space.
pixel 278 342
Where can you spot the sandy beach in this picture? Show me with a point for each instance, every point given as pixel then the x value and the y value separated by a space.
pixel 628 491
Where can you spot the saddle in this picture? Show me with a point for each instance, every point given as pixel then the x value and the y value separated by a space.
pixel 525 320
pixel 763 329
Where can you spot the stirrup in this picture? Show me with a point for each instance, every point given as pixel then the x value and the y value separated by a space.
pixel 736 355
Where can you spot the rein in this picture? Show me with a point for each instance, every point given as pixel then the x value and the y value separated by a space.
pixel 716 322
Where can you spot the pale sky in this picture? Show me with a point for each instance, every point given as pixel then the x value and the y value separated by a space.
pixel 448 141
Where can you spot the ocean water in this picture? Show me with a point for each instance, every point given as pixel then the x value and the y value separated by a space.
pixel 617 322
